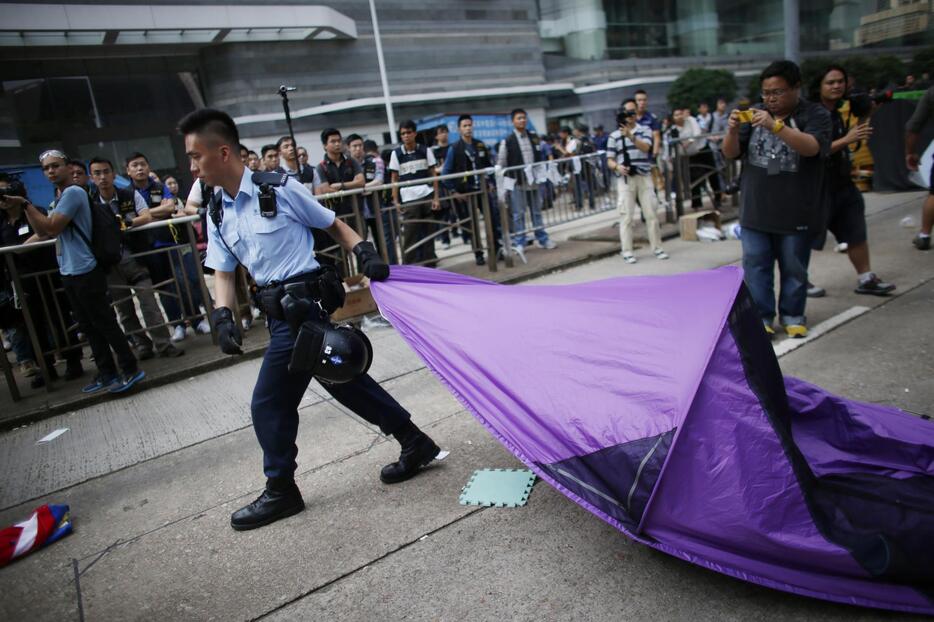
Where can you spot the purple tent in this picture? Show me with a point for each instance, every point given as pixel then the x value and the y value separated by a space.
pixel 657 404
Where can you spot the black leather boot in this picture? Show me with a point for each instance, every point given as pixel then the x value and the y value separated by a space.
pixel 280 500
pixel 417 451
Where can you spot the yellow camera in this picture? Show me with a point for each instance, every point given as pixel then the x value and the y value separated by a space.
pixel 744 116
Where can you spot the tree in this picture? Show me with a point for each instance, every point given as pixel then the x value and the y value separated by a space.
pixel 889 71
pixel 701 85
pixel 923 62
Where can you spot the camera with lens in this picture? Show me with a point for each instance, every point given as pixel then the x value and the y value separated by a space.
pixel 623 116
pixel 861 102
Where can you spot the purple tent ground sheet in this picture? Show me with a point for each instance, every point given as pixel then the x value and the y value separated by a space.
pixel 657 404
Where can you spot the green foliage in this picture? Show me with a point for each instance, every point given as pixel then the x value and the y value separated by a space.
pixel 889 71
pixel 923 62
pixel 701 85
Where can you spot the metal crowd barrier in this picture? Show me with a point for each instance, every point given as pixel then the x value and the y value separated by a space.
pixel 51 308
pixel 567 189
pixel 687 176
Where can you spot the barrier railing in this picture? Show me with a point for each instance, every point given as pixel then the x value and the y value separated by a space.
pixel 174 274
pixel 493 210
pixel 687 176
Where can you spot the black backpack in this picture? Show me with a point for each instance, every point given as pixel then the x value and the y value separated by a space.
pixel 106 243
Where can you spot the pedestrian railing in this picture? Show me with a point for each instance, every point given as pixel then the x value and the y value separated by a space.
pixel 176 276
pixel 686 176
pixel 491 211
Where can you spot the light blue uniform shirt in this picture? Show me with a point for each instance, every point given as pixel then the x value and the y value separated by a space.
pixel 73 254
pixel 271 249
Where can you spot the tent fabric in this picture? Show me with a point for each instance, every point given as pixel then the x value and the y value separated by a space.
pixel 657 404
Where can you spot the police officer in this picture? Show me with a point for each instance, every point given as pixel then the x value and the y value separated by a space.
pixel 273 240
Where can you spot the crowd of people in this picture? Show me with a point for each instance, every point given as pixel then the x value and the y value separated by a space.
pixel 796 185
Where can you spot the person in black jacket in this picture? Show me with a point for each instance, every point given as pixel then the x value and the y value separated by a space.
pixel 465 156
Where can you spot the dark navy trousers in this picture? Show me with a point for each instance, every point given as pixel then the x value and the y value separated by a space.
pixel 278 393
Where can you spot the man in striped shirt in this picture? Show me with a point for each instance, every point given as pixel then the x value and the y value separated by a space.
pixel 627 154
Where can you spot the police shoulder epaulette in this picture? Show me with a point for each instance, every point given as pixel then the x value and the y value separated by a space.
pixel 270 179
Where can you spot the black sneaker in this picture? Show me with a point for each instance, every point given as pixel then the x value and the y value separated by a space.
pixel 816 292
pixel 922 243
pixel 143 354
pixel 479 258
pixel 171 352
pixel 875 287
pixel 279 500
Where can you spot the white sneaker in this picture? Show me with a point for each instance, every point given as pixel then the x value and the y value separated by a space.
pixel 246 323
pixel 179 333
pixel 518 250
pixel 548 245
pixel 660 254
pixel 628 257
pixel 203 328
pixel 842 247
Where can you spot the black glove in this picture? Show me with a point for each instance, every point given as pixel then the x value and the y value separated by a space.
pixel 371 264
pixel 128 219
pixel 228 333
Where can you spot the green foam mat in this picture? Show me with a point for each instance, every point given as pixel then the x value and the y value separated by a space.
pixel 504 488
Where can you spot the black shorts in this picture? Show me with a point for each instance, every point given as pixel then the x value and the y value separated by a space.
pixel 846 215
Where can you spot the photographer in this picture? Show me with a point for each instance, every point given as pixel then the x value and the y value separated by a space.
pixel 783 143
pixel 70 222
pixel 627 154
pixel 15 230
pixel 844 212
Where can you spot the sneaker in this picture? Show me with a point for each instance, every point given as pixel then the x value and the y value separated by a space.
pixel 479 258
pixel 842 247
pixel 203 328
pixel 875 287
pixel 179 333
pixel 100 383
pixel 768 329
pixel 796 331
pixel 246 323
pixel 126 381
pixel 445 246
pixel 548 244
pixel 922 243
pixel 520 251
pixel 28 368
pixel 171 352
pixel 629 257
pixel 816 292
pixel 660 254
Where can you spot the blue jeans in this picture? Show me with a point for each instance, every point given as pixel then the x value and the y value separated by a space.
pixel 518 200
pixel 760 251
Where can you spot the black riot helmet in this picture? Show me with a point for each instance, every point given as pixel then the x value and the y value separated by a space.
pixel 333 354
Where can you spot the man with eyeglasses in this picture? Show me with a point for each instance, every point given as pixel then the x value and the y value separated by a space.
pixel 783 148
pixel 85 282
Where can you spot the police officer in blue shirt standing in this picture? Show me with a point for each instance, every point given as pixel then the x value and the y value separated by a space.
pixel 267 227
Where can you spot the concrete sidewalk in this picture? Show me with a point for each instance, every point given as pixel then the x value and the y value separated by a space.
pixel 152 480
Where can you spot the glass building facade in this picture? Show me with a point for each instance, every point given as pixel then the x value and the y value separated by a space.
pixel 617 29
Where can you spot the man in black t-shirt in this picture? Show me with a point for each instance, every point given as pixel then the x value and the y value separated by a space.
pixel 783 150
